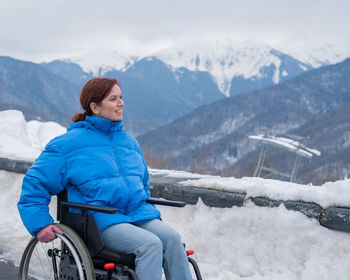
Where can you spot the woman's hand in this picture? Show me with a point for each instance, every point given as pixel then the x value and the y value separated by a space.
pixel 47 234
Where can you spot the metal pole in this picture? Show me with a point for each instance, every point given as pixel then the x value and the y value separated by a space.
pixel 257 171
pixel 295 169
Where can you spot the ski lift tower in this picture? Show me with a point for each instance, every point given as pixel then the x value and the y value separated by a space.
pixel 287 143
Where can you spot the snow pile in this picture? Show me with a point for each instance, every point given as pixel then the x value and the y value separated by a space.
pixel 253 242
pixel 246 242
pixel 24 140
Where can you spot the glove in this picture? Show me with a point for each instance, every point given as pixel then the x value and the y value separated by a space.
pixel 47 234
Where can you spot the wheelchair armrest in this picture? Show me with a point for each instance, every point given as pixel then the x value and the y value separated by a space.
pixel 166 202
pixel 89 207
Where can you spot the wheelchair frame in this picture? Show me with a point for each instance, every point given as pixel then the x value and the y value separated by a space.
pixel 82 235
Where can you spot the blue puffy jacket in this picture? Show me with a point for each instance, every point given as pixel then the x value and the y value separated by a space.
pixel 99 164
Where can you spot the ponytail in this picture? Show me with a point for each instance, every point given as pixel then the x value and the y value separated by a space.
pixel 78 117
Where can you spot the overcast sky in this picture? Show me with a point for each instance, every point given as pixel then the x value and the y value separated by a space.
pixel 46 29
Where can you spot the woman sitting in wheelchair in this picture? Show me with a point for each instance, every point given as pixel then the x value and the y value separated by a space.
pixel 100 164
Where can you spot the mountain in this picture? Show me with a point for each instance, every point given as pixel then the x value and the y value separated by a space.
pixel 36 91
pixel 169 84
pixel 166 85
pixel 237 67
pixel 328 132
pixel 331 133
pixel 68 70
pixel 154 93
pixel 100 60
pixel 214 138
pixel 315 57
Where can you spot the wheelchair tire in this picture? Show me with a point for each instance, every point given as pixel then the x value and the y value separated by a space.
pixel 67 251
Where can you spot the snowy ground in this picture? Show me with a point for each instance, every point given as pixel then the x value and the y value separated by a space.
pixel 246 242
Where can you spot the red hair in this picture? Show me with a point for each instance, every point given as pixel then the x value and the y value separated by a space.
pixel 95 90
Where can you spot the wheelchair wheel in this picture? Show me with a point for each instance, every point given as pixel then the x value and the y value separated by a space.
pixel 65 258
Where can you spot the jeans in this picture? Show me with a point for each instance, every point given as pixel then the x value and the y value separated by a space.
pixel 154 244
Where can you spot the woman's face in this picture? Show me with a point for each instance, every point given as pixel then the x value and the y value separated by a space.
pixel 111 107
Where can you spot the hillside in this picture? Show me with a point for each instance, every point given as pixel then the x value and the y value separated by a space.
pixel 214 138
pixel 37 92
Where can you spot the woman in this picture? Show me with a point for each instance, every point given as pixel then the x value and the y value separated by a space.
pixel 100 164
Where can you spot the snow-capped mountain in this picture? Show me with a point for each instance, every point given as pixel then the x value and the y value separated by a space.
pixel 315 57
pixel 225 60
pixel 99 61
pixel 184 76
pixel 235 66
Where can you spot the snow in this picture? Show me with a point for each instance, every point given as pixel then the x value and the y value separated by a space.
pixel 24 140
pixel 246 242
pixel 223 59
pixel 298 144
pixel 253 242
pixel 329 194
pixel 289 144
pixel 285 73
pixel 100 60
pixel 314 56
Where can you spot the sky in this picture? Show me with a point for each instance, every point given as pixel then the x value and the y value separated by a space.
pixel 41 30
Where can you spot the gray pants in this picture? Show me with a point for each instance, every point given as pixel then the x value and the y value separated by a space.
pixel 154 244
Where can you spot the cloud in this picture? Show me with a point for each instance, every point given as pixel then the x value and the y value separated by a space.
pixel 44 29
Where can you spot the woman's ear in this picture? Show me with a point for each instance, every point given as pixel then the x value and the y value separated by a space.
pixel 94 108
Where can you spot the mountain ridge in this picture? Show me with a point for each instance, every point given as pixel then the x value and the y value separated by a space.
pixel 224 60
pixel 38 92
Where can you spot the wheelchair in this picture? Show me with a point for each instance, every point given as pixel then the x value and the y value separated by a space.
pixel 79 253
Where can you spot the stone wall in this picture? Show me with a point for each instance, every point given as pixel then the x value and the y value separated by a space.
pixel 337 218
